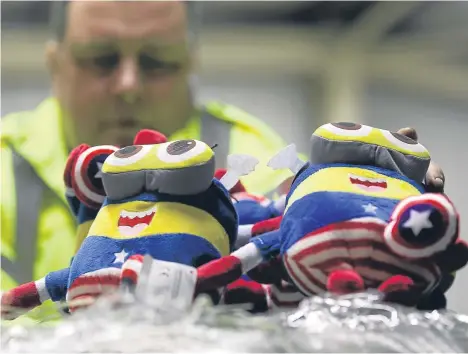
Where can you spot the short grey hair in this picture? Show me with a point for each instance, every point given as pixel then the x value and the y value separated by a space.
pixel 58 19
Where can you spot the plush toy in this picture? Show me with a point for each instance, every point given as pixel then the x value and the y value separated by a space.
pixel 84 190
pixel 159 199
pixel 356 217
pixel 252 209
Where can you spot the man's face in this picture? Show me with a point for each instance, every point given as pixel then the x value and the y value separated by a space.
pixel 123 66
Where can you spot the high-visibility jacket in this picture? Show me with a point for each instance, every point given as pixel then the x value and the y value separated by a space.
pixel 38 230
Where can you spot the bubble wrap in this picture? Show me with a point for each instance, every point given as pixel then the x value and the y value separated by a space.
pixel 357 323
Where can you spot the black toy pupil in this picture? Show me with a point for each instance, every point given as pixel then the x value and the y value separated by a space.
pixel 404 138
pixel 128 151
pixel 347 125
pixel 180 147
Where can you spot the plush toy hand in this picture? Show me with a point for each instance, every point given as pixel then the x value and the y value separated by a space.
pixel 246 291
pixel 246 232
pixel 19 300
pixel 27 296
pixel 149 137
pixel 435 178
pixel 449 262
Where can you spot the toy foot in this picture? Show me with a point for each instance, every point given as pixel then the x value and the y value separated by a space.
pixel 422 226
pixel 400 289
pixel 396 283
pixel 247 292
pixel 343 282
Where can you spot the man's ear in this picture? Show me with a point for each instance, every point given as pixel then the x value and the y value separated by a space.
pixel 52 60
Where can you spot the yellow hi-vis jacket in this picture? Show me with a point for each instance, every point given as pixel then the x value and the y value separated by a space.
pixel 38 230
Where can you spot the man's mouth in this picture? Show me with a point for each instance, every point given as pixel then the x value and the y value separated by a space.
pixel 132 223
pixel 368 184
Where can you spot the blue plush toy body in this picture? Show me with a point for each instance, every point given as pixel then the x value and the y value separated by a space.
pixel 355 218
pixel 253 208
pixel 326 200
pixel 162 201
pixel 189 230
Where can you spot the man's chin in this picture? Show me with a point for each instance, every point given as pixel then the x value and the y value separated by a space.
pixel 118 137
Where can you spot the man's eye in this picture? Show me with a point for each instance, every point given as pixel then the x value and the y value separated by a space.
pixel 106 61
pixel 148 63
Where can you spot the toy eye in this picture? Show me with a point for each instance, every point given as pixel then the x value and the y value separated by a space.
pixel 402 141
pixel 128 155
pixel 181 150
pixel 348 129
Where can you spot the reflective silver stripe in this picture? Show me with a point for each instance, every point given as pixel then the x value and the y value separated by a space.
pixel 29 188
pixel 216 131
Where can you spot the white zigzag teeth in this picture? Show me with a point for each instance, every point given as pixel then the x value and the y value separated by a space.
pixel 139 214
pixel 366 179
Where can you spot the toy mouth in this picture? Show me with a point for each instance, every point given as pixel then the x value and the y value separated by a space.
pixel 368 184
pixel 132 223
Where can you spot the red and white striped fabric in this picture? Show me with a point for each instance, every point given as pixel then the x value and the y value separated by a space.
pixel 356 245
pixel 85 290
pixel 23 298
pixel 131 269
pixel 284 295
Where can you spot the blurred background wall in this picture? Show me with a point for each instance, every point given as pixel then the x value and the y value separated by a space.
pixel 299 64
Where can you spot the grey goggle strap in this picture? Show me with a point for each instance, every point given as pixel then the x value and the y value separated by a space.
pixel 187 181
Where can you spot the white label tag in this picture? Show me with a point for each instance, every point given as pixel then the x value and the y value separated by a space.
pixel 166 284
pixel 287 158
pixel 238 165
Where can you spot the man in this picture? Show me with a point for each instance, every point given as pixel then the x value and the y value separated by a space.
pixel 116 67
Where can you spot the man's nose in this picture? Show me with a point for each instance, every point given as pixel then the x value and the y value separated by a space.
pixel 127 80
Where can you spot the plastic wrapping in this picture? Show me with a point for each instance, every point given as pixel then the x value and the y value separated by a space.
pixel 358 323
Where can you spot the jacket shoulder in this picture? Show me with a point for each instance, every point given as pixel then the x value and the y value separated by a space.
pixel 17 127
pixel 245 121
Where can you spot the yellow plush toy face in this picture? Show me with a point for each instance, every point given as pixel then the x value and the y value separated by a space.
pixel 369 135
pixel 139 219
pixel 166 156
pixel 354 181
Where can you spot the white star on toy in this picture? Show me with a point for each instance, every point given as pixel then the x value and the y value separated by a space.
pixel 369 208
pixel 120 256
pixel 99 173
pixel 418 221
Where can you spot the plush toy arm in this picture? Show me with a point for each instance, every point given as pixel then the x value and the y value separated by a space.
pixel 27 296
pixel 449 262
pixel 246 232
pixel 221 272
